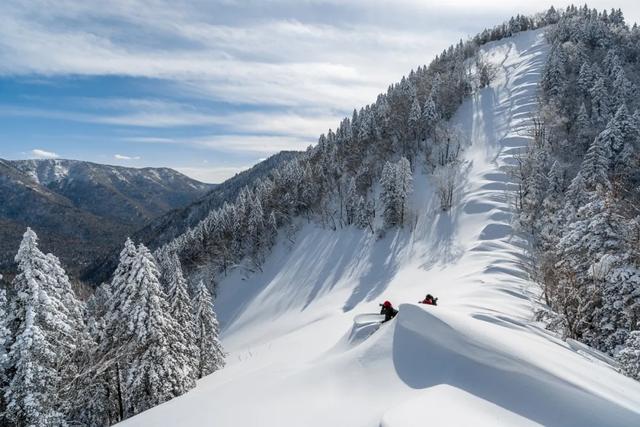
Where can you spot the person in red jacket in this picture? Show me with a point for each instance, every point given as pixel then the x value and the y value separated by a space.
pixel 388 311
pixel 429 300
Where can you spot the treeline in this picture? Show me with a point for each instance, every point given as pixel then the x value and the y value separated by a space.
pixel 358 174
pixel 580 183
pixel 139 340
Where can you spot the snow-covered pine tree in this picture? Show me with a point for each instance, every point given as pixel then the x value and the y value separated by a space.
pixel 364 214
pixel 351 201
pixel 256 233
pixel 404 187
pixel 552 206
pixel 95 402
pixel 38 349
pixel 182 312
pixel 600 108
pixel 429 117
pixel 623 89
pixel 596 164
pixel 5 343
pixel 389 195
pixel 584 136
pixel 143 344
pixel 554 76
pixel 415 122
pixel 621 138
pixel 534 187
pixel 618 312
pixel 158 369
pixel 586 79
pixel 595 233
pixel 629 357
pixel 211 354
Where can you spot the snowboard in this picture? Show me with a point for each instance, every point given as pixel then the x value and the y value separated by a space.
pixel 367 318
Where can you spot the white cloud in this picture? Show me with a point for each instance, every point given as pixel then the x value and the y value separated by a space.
pixel 43 154
pixel 307 123
pixel 314 60
pixel 123 157
pixel 213 174
pixel 255 144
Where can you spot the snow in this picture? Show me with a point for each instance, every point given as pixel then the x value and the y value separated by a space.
pixel 296 357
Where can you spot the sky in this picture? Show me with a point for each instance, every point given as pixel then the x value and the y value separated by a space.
pixel 209 88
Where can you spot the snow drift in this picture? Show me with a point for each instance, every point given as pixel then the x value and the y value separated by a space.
pixel 297 358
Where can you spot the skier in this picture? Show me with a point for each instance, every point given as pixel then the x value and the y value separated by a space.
pixel 429 300
pixel 388 311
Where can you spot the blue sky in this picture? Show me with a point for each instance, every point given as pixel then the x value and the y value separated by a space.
pixel 210 87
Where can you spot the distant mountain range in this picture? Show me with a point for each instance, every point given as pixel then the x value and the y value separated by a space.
pixel 80 209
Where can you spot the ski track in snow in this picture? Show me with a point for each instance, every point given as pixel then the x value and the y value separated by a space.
pixel 297 359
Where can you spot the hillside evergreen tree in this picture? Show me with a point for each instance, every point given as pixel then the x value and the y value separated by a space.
pixel 5 343
pixel 211 354
pixel 629 357
pixel 143 336
pixel 181 309
pixel 600 105
pixel 596 163
pixel 41 340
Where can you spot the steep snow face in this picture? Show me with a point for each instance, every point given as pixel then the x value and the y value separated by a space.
pixel 298 359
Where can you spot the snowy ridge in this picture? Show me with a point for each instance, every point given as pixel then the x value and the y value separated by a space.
pixel 297 359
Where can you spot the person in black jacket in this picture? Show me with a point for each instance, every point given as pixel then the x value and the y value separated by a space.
pixel 388 311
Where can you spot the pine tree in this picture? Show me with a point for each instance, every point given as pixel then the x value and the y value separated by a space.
pixel 351 201
pixel 596 164
pixel 613 144
pixel 552 207
pixel 622 88
pixel 364 214
pixel 272 229
pixel 35 354
pixel 142 335
pixel 629 357
pixel 256 232
pixel 620 304
pixel 429 116
pixel 554 76
pixel 584 134
pixel 415 122
pixel 621 136
pixel 577 196
pixel 404 187
pixel 94 389
pixel 181 310
pixel 211 354
pixel 389 195
pixel 585 79
pixel 600 110
pixel 5 343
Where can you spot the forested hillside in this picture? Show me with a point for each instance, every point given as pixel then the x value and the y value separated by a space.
pixel 358 174
pixel 580 184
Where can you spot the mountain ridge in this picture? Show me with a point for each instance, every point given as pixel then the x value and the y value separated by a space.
pixel 85 207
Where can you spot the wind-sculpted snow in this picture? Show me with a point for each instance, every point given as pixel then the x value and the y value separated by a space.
pixel 478 358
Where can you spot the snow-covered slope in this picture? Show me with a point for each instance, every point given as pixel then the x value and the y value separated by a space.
pixel 297 358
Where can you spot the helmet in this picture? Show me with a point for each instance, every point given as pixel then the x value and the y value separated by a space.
pixel 386 304
pixel 429 296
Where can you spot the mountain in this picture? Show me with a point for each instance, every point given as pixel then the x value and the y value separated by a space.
pixel 82 209
pixel 298 350
pixel 167 227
